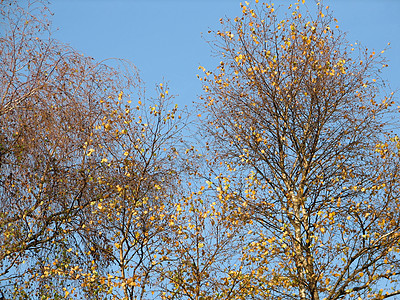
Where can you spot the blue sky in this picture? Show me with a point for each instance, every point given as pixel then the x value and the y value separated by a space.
pixel 163 38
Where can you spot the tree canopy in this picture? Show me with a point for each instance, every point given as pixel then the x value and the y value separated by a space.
pixel 292 191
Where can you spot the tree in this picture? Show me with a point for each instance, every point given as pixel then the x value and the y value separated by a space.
pixel 87 176
pixel 300 117
pixel 47 115
pixel 201 252
pixel 295 194
pixel 140 179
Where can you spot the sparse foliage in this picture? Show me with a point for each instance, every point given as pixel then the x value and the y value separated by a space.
pixel 87 175
pixel 299 110
pixel 293 193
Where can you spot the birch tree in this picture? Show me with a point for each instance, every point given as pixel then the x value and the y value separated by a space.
pixel 301 117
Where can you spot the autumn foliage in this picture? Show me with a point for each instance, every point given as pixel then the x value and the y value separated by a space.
pixel 292 194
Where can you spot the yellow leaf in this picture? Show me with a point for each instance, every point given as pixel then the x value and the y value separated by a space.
pixel 90 151
pixel 201 245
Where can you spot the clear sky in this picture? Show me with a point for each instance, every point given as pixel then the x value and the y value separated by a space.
pixel 163 38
